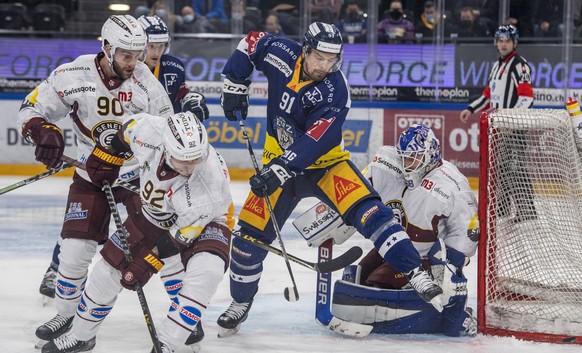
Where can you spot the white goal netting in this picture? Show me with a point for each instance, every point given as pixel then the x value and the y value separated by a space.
pixel 531 212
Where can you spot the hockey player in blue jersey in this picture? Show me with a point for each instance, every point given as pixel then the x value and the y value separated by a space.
pixel 303 157
pixel 169 69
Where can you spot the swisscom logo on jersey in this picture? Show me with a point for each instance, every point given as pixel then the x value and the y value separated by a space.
pixel 76 91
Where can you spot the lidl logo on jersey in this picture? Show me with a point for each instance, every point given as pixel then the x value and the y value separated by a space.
pixel 75 212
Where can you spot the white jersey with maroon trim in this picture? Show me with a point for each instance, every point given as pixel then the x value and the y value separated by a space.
pixel 172 201
pixel 442 206
pixel 96 106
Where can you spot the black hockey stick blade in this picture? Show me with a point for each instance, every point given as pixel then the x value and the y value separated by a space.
pixel 332 265
pixel 341 261
pixel 291 294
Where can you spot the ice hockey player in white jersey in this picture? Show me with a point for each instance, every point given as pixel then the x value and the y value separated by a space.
pixel 436 206
pixel 184 188
pixel 97 92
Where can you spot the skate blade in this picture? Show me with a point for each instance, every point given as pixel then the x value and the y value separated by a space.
pixel 40 344
pixel 227 332
pixel 195 347
pixel 437 302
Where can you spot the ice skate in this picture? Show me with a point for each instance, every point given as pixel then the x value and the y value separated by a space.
pixel 426 287
pixel 52 329
pixel 230 321
pixel 68 344
pixel 193 341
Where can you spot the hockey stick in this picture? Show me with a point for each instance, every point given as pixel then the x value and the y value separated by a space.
pixel 323 314
pixel 331 265
pixel 81 165
pixel 34 178
pixel 291 297
pixel 123 238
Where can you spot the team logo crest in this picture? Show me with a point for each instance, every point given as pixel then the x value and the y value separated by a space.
pixel 284 133
pixel 399 212
pixel 170 79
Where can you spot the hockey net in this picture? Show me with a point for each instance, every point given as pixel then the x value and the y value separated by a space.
pixel 530 209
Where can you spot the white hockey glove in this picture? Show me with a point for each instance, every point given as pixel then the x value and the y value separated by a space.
pixel 321 223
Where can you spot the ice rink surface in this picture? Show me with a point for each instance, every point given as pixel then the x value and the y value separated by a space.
pixel 30 220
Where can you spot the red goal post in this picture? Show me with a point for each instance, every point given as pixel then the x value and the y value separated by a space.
pixel 530 211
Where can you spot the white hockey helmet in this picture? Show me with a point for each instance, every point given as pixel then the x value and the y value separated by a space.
pixel 185 140
pixel 420 151
pixel 123 32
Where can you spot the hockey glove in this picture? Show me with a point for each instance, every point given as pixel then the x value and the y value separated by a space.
pixel 452 256
pixel 235 96
pixel 273 175
pixel 144 265
pixel 102 166
pixel 48 139
pixel 196 104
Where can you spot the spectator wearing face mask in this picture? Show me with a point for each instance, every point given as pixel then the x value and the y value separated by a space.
pixel 469 26
pixel 193 23
pixel 161 9
pixel 353 25
pixel 395 28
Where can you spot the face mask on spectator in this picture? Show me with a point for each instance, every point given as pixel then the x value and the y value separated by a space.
pixel 430 18
pixel 395 14
pixel 353 16
pixel 188 18
pixel 161 13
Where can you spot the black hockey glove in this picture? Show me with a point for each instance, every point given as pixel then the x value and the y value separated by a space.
pixel 235 96
pixel 273 175
pixel 48 139
pixel 196 104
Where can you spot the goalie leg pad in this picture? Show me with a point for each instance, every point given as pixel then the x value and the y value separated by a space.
pixel 376 222
pixel 97 300
pixel 388 311
pixel 75 258
pixel 246 267
pixel 204 272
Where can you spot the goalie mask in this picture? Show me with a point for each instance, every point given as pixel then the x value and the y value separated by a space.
pixel 325 38
pixel 185 143
pixel 156 31
pixel 122 32
pixel 420 152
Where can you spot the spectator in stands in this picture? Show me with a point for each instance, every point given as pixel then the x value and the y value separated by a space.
pixel 521 15
pixel 192 23
pixel 468 26
pixel 327 11
pixel 273 26
pixel 216 10
pixel 288 13
pixel 161 9
pixel 353 25
pixel 395 28
pixel 428 21
pixel 549 14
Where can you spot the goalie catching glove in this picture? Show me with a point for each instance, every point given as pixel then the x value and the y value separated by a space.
pixel 144 265
pixel 195 103
pixel 235 96
pixel 273 175
pixel 103 165
pixel 48 139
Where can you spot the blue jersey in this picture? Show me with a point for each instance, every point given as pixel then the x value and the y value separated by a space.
pixel 304 118
pixel 171 73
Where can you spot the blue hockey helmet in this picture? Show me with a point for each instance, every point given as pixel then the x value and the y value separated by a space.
pixel 420 151
pixel 325 38
pixel 156 30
